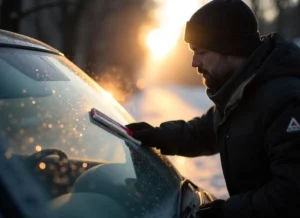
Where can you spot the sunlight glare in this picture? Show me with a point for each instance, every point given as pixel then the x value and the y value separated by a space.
pixel 159 43
pixel 108 95
pixel 173 14
pixel 180 160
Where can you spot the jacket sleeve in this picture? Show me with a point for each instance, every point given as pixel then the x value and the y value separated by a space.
pixel 280 196
pixel 193 138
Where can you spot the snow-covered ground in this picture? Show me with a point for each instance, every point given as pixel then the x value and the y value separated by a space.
pixel 161 103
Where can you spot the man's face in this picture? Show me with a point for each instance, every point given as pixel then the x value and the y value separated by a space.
pixel 213 66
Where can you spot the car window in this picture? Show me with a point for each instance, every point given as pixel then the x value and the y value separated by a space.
pixel 85 169
pixel 47 114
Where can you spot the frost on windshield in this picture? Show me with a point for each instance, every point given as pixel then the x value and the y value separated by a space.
pixel 46 122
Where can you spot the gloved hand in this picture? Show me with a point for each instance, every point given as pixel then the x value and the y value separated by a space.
pixel 146 133
pixel 213 209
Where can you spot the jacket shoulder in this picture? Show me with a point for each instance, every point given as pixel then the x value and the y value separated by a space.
pixel 280 88
pixel 276 94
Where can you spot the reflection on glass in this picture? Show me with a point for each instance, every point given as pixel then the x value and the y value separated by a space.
pixel 44 105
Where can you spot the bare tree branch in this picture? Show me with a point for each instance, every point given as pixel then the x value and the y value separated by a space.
pixel 39 8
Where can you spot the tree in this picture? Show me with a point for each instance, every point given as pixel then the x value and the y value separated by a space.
pixel 10 9
pixel 287 11
pixel 101 36
pixel 113 53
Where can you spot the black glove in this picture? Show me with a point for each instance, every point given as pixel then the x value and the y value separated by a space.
pixel 213 209
pixel 147 134
pixel 139 126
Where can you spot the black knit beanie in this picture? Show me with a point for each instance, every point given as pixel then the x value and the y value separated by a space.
pixel 228 27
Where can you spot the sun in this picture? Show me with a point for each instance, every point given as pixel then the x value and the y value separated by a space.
pixel 172 16
pixel 160 43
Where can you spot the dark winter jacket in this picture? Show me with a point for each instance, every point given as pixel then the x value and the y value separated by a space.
pixel 255 125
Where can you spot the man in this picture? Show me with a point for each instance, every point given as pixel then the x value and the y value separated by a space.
pixel 255 123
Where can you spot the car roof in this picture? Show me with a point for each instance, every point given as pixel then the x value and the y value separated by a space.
pixel 10 39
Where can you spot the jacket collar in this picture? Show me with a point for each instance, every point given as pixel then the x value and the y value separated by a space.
pixel 232 91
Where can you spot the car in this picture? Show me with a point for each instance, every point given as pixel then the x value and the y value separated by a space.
pixel 84 169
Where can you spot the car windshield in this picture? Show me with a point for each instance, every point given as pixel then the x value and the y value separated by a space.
pixel 44 105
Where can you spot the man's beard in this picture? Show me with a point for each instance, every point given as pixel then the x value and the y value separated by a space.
pixel 208 79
